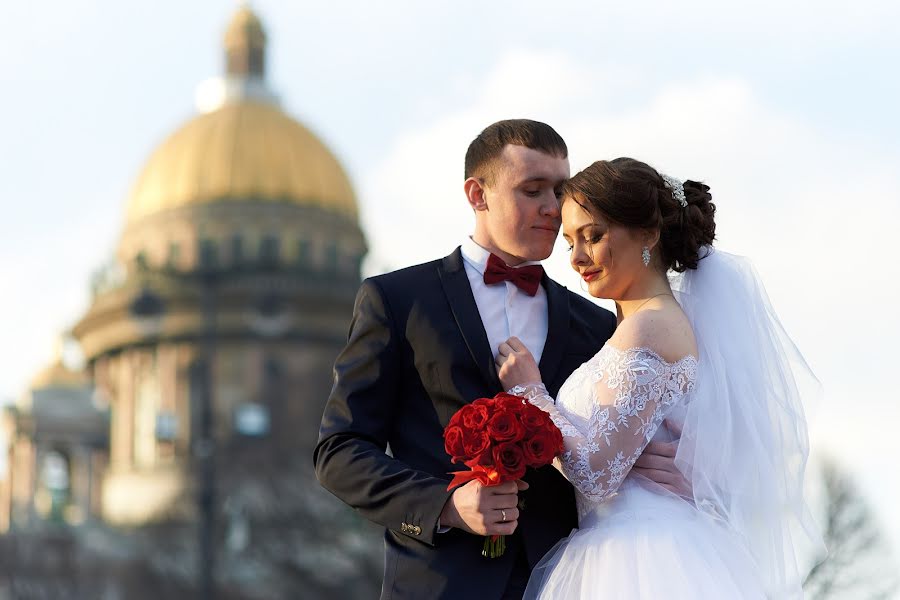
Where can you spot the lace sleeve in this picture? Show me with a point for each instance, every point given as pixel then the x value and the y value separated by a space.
pixel 630 392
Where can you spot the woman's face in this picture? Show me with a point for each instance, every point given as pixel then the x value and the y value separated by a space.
pixel 607 256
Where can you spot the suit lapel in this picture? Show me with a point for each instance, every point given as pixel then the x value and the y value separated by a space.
pixel 557 329
pixel 465 311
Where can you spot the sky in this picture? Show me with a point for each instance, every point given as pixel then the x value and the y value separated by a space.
pixel 786 110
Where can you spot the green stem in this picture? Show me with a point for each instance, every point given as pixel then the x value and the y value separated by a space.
pixel 494 546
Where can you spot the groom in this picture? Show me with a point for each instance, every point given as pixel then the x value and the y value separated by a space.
pixel 422 344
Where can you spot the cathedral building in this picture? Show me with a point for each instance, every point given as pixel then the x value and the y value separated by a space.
pixel 211 335
pixel 241 238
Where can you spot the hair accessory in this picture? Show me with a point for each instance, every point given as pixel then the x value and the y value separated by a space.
pixel 677 188
pixel 645 256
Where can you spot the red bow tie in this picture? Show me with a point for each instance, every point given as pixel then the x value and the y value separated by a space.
pixel 527 278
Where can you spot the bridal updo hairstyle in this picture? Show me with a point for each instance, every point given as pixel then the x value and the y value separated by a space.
pixel 633 194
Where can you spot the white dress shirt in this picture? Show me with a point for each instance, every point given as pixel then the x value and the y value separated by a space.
pixel 506 310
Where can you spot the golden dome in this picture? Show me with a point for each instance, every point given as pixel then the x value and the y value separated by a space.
pixel 246 150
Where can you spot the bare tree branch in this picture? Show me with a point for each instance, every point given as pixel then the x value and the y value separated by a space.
pixel 859 560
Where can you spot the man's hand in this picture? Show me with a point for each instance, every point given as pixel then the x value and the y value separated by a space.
pixel 481 509
pixel 657 463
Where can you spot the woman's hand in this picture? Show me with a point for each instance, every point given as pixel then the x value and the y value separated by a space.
pixel 516 365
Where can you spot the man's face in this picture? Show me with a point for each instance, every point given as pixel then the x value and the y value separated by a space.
pixel 521 220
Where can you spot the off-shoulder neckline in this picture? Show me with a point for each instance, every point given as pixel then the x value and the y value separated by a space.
pixel 648 350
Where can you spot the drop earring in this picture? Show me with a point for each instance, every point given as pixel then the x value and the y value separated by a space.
pixel 645 256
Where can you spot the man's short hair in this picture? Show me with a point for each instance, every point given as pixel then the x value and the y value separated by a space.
pixel 486 148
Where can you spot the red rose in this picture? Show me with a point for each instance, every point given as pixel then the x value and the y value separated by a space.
pixel 457 419
pixel 534 419
pixel 509 402
pixel 487 403
pixel 504 426
pixel 476 417
pixel 453 444
pixel 556 437
pixel 475 444
pixel 540 448
pixel 509 461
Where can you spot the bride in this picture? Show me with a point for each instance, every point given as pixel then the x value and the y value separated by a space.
pixel 700 355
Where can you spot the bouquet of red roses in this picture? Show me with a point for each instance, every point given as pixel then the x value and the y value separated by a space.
pixel 498 438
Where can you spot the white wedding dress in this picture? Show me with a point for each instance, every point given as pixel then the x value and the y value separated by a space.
pixel 743 449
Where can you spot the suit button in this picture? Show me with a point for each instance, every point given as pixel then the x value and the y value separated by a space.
pixel 404 528
pixel 416 530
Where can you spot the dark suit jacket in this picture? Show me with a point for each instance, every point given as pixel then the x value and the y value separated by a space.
pixel 417 352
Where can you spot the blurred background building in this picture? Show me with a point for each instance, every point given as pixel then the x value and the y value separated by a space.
pixel 185 445
pixel 57 451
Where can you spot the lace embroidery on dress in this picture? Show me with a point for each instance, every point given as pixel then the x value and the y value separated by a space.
pixel 608 411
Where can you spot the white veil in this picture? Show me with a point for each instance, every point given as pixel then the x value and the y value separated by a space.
pixel 744 444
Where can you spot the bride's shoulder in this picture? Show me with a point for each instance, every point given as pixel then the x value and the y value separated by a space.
pixel 666 331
